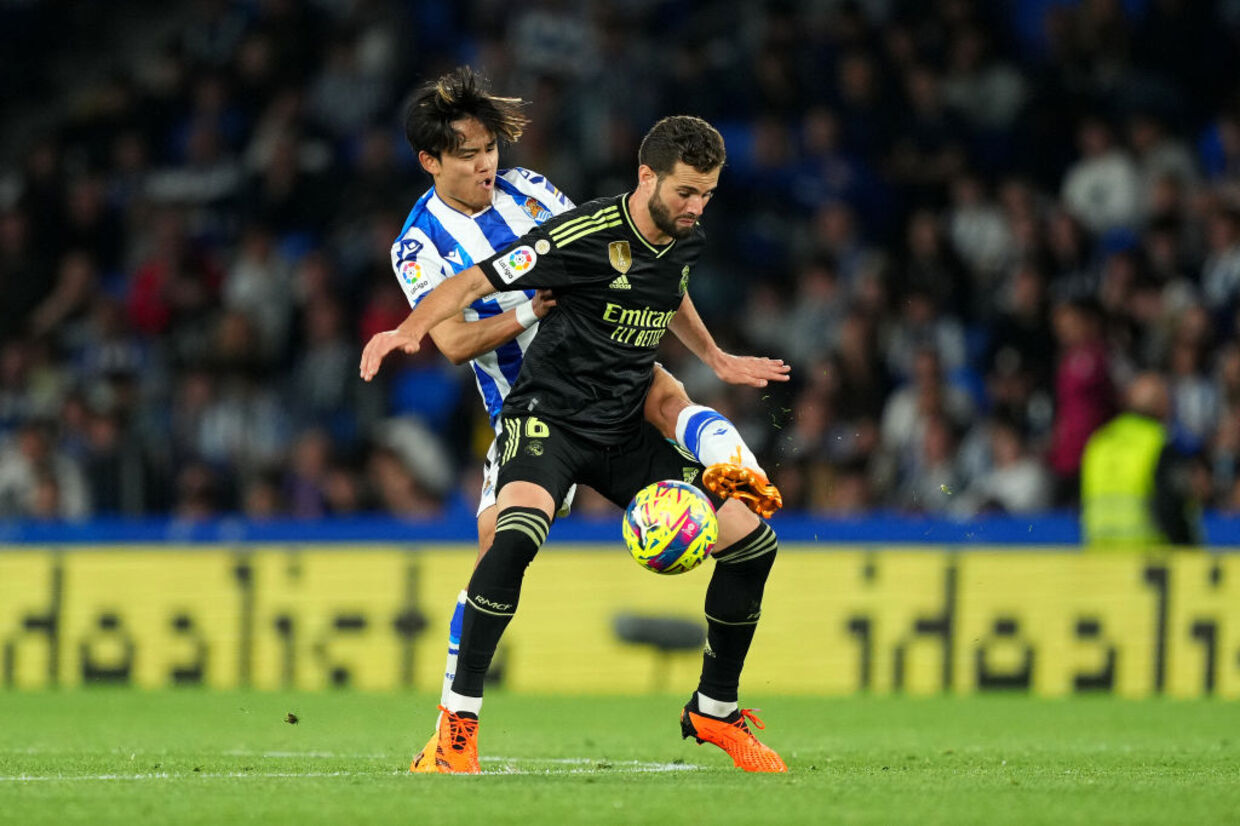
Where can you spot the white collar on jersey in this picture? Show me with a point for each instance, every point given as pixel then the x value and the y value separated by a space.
pixel 494 193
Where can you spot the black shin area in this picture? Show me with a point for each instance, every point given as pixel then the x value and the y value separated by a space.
pixel 494 591
pixel 733 606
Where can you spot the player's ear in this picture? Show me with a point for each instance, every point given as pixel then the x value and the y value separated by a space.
pixel 429 162
pixel 647 178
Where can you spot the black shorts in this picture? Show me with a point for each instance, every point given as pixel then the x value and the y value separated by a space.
pixel 554 458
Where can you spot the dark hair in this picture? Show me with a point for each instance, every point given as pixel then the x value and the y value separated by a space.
pixel 682 138
pixel 461 93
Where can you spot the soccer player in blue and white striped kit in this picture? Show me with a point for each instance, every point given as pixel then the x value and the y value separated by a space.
pixel 474 209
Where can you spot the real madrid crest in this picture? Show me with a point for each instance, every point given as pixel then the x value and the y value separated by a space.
pixel 684 279
pixel 620 256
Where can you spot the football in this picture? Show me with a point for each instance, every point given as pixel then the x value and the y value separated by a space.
pixel 670 527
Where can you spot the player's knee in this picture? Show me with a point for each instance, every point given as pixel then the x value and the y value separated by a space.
pixel 496 583
pixel 519 533
pixel 734 596
pixel 735 520
pixel 754 551
pixel 486 534
pixel 485 540
pixel 667 398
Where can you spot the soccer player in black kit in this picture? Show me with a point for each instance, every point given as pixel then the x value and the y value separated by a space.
pixel 620 269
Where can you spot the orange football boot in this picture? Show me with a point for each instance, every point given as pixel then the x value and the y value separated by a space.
pixel 732 735
pixel 424 761
pixel 454 749
pixel 733 481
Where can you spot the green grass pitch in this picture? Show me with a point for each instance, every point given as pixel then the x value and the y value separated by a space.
pixel 188 757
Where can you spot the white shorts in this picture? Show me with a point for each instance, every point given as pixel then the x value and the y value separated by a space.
pixel 490 477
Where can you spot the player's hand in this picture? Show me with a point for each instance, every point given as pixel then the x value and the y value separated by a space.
pixel 380 345
pixel 754 371
pixel 544 300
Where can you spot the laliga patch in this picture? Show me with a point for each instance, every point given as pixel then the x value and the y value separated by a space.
pixel 418 289
pixel 515 264
pixel 410 272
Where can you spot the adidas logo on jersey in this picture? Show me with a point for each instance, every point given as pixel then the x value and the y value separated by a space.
pixel 621 283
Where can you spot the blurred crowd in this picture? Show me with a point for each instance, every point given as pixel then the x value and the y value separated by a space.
pixel 966 224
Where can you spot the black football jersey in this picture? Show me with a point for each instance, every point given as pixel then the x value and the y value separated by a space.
pixel 591 364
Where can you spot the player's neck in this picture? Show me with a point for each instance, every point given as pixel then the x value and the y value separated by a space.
pixel 460 206
pixel 643 222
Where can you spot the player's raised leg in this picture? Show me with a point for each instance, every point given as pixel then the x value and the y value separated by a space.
pixel 747 548
pixel 732 470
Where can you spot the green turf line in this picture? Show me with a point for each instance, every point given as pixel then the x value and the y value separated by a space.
pixel 127 757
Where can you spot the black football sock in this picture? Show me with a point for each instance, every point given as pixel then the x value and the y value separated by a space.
pixel 733 606
pixel 493 593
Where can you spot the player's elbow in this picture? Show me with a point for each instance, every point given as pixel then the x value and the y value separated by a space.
pixel 455 353
pixel 450 344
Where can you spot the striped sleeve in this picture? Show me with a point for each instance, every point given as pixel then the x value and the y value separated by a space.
pixel 418 265
pixel 536 185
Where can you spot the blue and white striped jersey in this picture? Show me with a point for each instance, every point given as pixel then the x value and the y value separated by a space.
pixel 439 241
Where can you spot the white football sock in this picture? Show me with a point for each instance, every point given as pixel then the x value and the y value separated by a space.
pixel 456 703
pixel 715 708
pixel 710 437
pixel 454 646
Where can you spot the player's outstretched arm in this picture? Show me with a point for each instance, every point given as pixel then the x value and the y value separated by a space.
pixel 754 371
pixel 460 340
pixel 441 303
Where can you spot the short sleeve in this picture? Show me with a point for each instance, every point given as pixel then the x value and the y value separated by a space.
pixel 418 265
pixel 563 253
pixel 536 185
pixel 533 262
